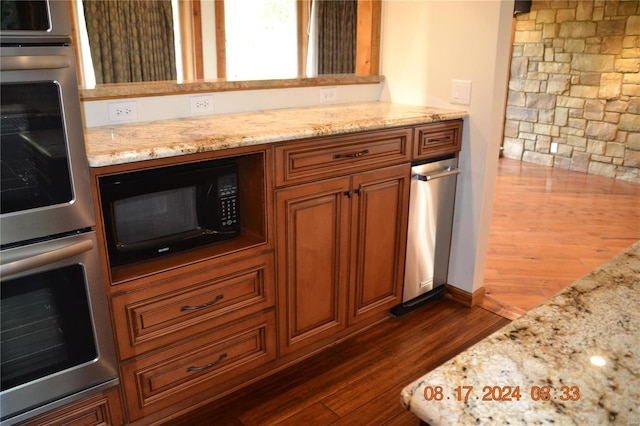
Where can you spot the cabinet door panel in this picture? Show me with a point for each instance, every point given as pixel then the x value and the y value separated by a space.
pixel 379 240
pixel 313 239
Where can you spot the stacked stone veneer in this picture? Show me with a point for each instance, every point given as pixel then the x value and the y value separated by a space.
pixel 575 87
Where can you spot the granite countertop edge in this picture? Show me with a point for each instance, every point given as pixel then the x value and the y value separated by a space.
pixel 586 338
pixel 126 143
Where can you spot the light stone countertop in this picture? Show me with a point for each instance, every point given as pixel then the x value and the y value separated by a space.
pixel 125 143
pixel 552 345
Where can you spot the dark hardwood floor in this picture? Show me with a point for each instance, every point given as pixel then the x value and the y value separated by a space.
pixel 356 382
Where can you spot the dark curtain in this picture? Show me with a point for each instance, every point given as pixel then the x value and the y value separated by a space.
pixel 337 24
pixel 131 40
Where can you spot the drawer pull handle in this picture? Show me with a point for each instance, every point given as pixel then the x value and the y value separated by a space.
pixel 211 364
pixel 204 305
pixel 352 155
pixel 441 140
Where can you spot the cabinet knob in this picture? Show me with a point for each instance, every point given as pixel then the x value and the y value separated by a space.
pixel 347 193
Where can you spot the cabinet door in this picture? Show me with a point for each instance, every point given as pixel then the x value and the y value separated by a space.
pixel 379 228
pixel 313 243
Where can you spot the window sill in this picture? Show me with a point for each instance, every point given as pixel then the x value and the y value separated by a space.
pixel 160 88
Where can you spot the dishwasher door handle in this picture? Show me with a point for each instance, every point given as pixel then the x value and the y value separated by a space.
pixel 446 172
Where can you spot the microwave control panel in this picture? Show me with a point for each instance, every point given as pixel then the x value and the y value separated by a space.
pixel 228 201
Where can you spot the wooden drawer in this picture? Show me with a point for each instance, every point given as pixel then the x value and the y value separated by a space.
pixel 98 410
pixel 198 369
pixel 298 162
pixel 436 139
pixel 178 307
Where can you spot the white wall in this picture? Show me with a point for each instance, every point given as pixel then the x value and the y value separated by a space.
pixel 426 44
pixel 151 108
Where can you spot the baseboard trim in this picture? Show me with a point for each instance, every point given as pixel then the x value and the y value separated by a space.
pixel 463 297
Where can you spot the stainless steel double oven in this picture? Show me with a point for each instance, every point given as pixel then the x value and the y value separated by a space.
pixel 56 340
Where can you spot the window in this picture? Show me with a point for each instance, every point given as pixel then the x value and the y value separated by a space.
pixel 261 39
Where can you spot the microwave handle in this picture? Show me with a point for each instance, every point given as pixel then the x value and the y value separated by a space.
pixel 44 258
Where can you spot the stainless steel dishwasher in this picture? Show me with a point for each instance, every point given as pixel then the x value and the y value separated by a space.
pixel 432 196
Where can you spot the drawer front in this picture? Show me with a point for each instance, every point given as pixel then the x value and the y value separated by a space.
pixel 207 364
pixel 183 306
pixel 99 410
pixel 436 139
pixel 315 159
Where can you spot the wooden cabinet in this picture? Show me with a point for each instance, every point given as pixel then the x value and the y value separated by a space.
pixel 313 266
pixel 437 139
pixel 196 325
pixel 340 241
pixel 103 409
pixel 313 160
pixel 378 241
pixel 193 324
pixel 172 308
pixel 199 367
pixel 188 334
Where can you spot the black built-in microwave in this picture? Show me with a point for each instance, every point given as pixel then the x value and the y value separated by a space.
pixel 155 212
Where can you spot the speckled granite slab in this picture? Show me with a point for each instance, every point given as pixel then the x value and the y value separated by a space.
pixel 126 143
pixel 582 344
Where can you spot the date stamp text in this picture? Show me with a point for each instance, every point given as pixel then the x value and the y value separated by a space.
pixel 502 393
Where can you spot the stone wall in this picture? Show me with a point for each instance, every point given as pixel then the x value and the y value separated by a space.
pixel 574 90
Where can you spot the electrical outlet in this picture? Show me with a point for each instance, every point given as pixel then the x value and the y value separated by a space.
pixel 201 104
pixel 328 94
pixel 123 111
pixel 554 147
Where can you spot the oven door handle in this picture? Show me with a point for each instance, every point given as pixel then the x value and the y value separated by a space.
pixel 24 63
pixel 44 258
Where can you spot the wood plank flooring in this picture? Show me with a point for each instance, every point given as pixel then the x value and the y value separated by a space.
pixel 356 382
pixel 549 228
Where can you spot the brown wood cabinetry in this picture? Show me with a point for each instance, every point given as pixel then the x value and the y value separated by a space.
pixel 378 241
pixel 313 265
pixel 437 139
pixel 103 409
pixel 195 325
pixel 172 308
pixel 199 367
pixel 310 161
pixel 341 240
